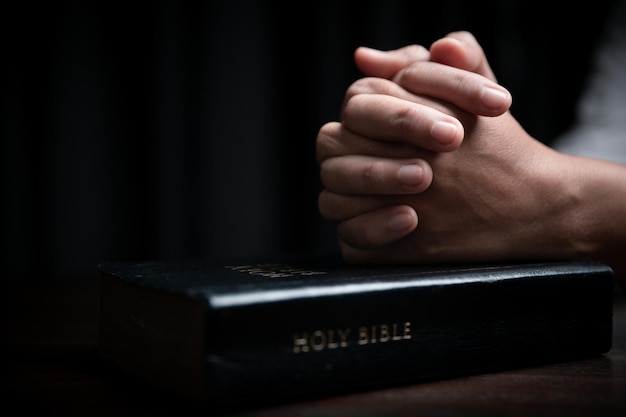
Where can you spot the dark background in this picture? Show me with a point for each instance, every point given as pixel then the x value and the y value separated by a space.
pixel 187 129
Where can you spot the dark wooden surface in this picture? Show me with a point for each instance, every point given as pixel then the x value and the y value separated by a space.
pixel 51 366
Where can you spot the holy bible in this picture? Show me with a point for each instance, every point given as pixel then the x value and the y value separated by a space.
pixel 293 327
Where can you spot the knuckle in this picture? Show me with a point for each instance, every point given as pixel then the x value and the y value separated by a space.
pixel 407 74
pixel 406 118
pixel 371 176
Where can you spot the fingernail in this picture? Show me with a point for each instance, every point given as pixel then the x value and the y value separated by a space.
pixel 400 221
pixel 411 174
pixel 444 132
pixel 494 98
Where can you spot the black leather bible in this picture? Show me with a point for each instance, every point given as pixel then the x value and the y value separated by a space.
pixel 294 327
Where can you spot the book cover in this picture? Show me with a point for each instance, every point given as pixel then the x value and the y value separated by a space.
pixel 296 326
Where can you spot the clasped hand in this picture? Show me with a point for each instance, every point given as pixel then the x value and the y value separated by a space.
pixel 428 164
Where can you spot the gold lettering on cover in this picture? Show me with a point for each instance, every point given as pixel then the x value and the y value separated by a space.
pixel 318 340
pixel 394 332
pixel 373 335
pixel 383 335
pixel 273 270
pixel 363 337
pixel 300 343
pixel 343 337
pixel 331 340
pixel 407 330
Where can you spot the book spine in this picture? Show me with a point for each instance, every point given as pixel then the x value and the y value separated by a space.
pixel 361 340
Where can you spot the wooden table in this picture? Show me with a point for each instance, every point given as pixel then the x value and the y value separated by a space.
pixel 54 368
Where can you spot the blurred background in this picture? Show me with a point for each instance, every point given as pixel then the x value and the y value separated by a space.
pixel 177 129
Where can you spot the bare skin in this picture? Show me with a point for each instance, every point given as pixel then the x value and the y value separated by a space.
pixel 426 137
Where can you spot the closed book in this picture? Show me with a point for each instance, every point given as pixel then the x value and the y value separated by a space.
pixel 299 326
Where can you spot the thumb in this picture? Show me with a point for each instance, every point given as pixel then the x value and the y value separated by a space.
pixel 461 50
pixel 385 64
